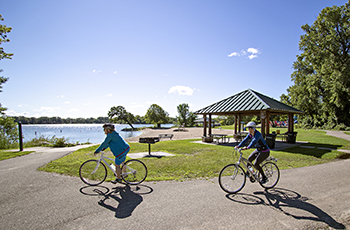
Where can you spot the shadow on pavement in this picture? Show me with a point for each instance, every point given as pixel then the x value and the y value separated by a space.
pixel 288 202
pixel 121 200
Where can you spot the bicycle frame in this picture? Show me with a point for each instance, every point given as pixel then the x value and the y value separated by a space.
pixel 245 162
pixel 103 159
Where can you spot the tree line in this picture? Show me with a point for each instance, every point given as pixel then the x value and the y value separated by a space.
pixel 58 120
pixel 321 74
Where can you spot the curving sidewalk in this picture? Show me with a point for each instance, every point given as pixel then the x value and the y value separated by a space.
pixel 339 134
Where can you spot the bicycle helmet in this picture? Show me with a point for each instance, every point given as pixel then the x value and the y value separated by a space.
pixel 251 125
pixel 108 126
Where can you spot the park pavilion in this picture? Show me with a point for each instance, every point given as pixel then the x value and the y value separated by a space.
pixel 248 103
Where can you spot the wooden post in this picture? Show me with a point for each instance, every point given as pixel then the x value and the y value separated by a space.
pixel 267 122
pixel 263 127
pixel 205 125
pixel 20 136
pixel 290 122
pixel 239 123
pixel 263 118
pixel 236 121
pixel 209 124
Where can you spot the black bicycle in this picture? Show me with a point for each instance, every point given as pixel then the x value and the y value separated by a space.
pixel 232 177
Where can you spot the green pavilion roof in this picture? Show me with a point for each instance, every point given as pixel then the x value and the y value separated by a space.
pixel 248 102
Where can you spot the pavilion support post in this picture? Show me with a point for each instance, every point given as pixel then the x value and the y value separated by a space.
pixel 209 125
pixel 236 121
pixel 239 123
pixel 205 125
pixel 290 123
pixel 267 122
pixel 263 128
pixel 263 119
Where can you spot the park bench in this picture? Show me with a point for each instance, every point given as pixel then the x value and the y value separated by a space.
pixel 165 136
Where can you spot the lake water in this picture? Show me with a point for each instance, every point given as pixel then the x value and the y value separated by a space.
pixel 81 133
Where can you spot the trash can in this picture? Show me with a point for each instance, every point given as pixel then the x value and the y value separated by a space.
pixel 291 137
pixel 270 140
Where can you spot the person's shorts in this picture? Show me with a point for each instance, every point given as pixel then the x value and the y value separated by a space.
pixel 120 158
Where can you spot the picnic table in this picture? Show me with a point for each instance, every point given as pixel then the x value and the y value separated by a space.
pixel 223 137
pixel 239 136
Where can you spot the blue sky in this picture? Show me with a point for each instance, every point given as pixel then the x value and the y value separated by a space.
pixel 79 58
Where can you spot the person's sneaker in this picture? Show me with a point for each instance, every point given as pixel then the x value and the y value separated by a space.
pixel 116 181
pixel 264 180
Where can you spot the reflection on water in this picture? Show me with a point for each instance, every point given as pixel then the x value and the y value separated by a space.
pixel 77 132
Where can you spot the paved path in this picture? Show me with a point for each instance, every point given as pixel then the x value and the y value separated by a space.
pixel 339 134
pixel 305 198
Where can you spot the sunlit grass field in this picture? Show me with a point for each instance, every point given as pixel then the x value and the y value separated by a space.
pixel 195 160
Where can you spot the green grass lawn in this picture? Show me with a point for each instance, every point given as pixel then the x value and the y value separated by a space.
pixel 5 154
pixel 194 160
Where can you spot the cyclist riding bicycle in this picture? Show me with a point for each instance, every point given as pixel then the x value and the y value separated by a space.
pixel 262 149
pixel 117 145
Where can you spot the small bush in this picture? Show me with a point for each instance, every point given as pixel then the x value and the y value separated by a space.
pixel 340 127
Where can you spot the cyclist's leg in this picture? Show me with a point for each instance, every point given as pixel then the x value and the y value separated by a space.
pixel 262 155
pixel 253 155
pixel 118 161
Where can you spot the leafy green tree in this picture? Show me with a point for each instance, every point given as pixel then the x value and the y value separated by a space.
pixel 183 111
pixel 185 116
pixel 322 71
pixel 119 114
pixel 156 115
pixel 8 132
pixel 3 38
pixel 8 128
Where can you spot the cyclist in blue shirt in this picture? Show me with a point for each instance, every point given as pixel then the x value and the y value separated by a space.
pixel 117 145
pixel 262 150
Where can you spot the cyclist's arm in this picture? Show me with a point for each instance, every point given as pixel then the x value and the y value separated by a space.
pixel 104 144
pixel 244 141
pixel 255 139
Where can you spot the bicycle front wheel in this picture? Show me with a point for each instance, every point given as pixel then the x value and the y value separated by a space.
pixel 134 172
pixel 232 178
pixel 92 172
pixel 272 173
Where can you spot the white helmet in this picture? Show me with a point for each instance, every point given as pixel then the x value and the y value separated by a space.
pixel 251 125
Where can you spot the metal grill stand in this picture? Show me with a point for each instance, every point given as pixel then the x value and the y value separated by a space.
pixel 149 141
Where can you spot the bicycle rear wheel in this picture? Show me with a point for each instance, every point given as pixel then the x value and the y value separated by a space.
pixel 134 172
pixel 232 178
pixel 272 173
pixel 93 173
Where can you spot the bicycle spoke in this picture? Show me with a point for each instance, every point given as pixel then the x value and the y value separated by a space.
pixel 232 178
pixel 92 172
pixel 134 172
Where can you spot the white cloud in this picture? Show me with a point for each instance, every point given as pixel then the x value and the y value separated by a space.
pixel 67 102
pixel 252 56
pixel 181 90
pixel 47 109
pixel 252 52
pixel 115 72
pixel 96 71
pixel 135 105
pixel 14 113
pixel 234 54
pixel 109 95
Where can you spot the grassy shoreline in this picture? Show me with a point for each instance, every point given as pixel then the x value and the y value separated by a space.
pixel 195 160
